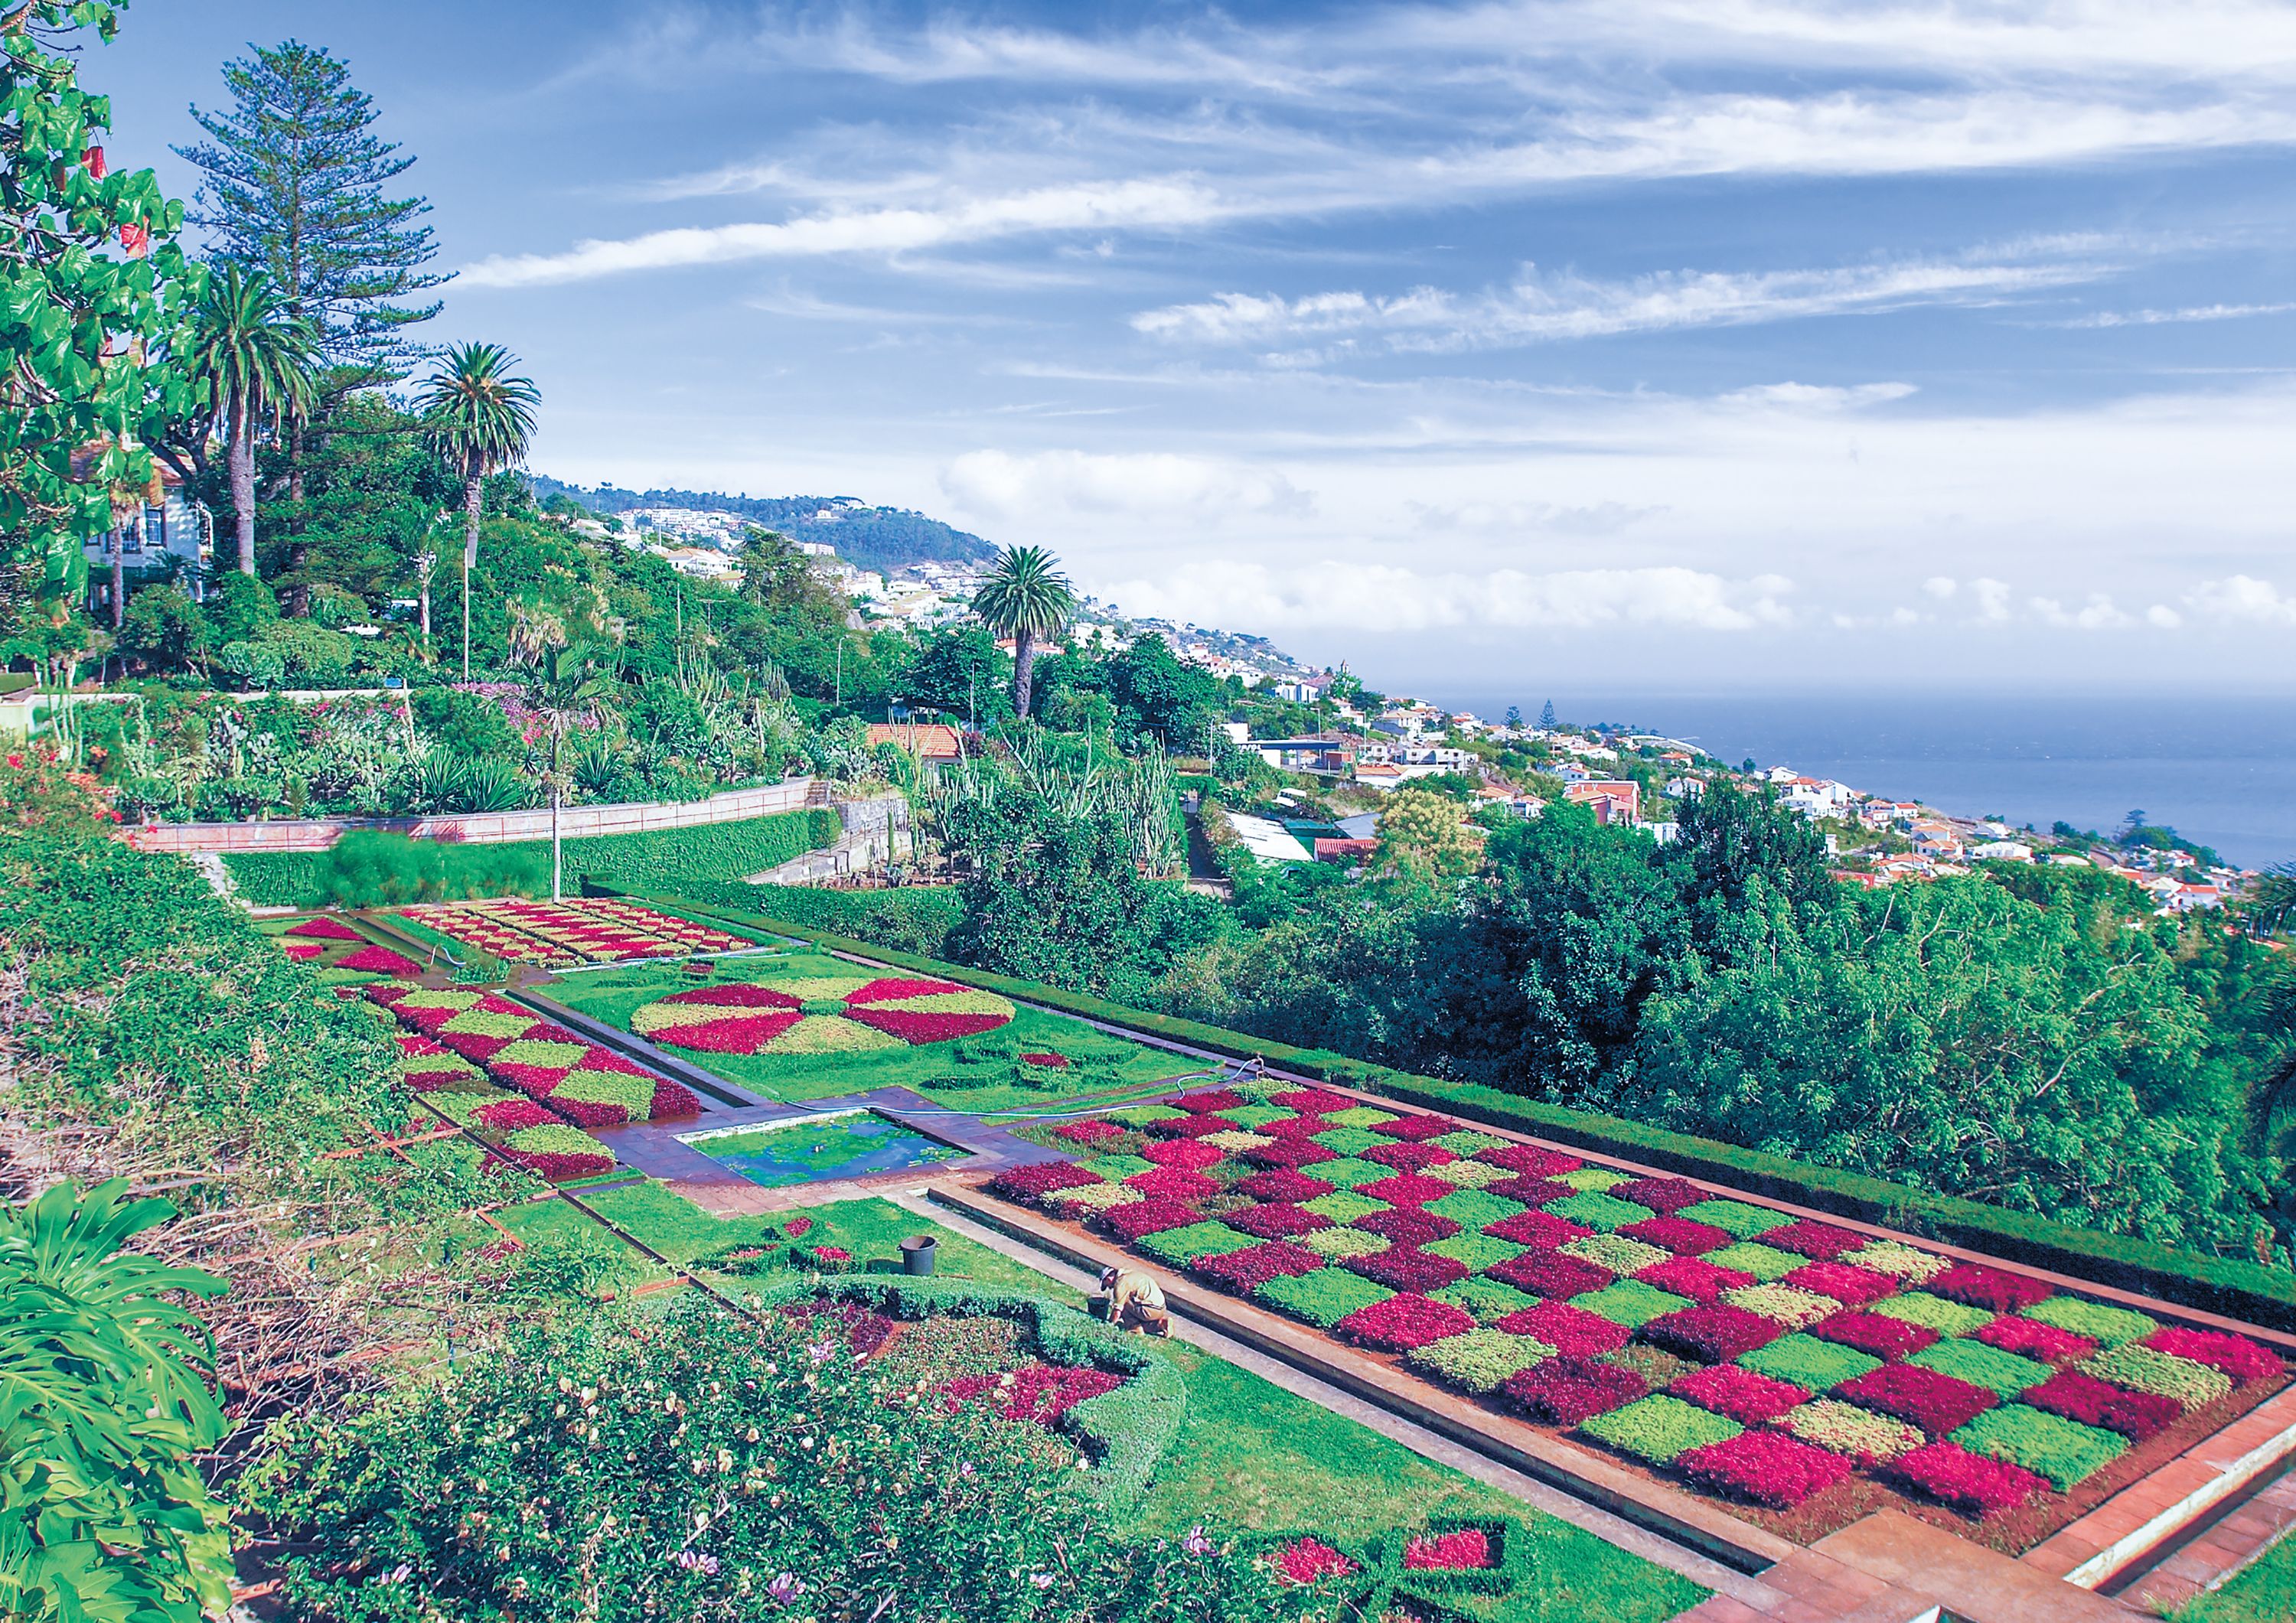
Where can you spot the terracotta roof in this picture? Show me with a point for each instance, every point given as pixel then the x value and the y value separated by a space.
pixel 939 743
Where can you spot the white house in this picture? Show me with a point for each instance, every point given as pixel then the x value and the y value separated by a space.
pixel 148 542
pixel 2002 850
pixel 1268 839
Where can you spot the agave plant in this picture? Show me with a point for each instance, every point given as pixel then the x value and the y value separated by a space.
pixel 105 1394
pixel 495 785
pixel 442 781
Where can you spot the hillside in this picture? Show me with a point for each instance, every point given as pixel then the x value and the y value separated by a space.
pixel 868 537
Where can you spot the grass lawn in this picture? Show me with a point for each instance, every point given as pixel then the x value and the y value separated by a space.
pixel 2266 1592
pixel 984 1071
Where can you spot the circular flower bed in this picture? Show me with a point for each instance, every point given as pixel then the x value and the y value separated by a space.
pixel 821 1014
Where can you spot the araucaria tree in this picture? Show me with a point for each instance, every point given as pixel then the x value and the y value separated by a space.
pixel 479 417
pixel 296 186
pixel 1026 598
pixel 250 358
pixel 92 285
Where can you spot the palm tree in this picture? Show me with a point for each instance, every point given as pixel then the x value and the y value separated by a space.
pixel 1028 599
pixel 251 357
pixel 480 419
pixel 572 691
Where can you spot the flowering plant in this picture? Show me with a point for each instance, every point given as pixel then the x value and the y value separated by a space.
pixel 1983 1287
pixel 1566 1391
pixel 1531 1161
pixel 1172 1184
pixel 1742 1395
pixel 1305 1560
pixel 1276 1221
pixel 1404 1268
pixel 1405 1226
pixel 1954 1476
pixel 1462 1549
pixel 1865 1437
pixel 1935 1403
pixel 1847 1283
pixel 1550 1274
pixel 1822 1242
pixel 2135 1415
pixel 1149 1217
pixel 1540 1229
pixel 1414 1129
pixel 1283 1185
pixel 2237 1356
pixel 1663 1195
pixel 1570 1330
pixel 1715 1334
pixel 1778 1471
pixel 1030 1182
pixel 1869 1332
pixel 1255 1266
pixel 1188 1154
pixel 1403 1321
pixel 1679 1235
pixel 1407 1156
pixel 2032 1339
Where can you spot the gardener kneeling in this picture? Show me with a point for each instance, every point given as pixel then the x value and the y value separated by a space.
pixel 1134 1302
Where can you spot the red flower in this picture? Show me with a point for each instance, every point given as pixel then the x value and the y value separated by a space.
pixel 1935 1403
pixel 885 989
pixel 535 1081
pixel 1173 1183
pixel 1716 1334
pixel 672 1100
pixel 1191 1126
pixel 1844 1283
pixel 1405 1226
pixel 1288 1152
pixel 1275 1221
pixel 2135 1415
pixel 1188 1154
pixel 1294 1128
pixel 1031 1183
pixel 1681 1235
pixel 912 1027
pixel 1283 1185
pixel 591 1113
pixel 745 1034
pixel 1875 1333
pixel 1211 1102
pixel 1046 1061
pixel 1966 1481
pixel 1311 1102
pixel 1694 1277
pixel 1541 1229
pixel 1568 1329
pixel 1663 1195
pixel 317 930
pixel 1087 1132
pixel 1409 1157
pixel 1821 1241
pixel 1550 1274
pixel 2237 1356
pixel 1531 1190
pixel 1151 1216
pixel 1742 1395
pixel 1563 1391
pixel 1255 1266
pixel 1402 1268
pixel 1411 1130
pixel 1531 1161
pixel 1762 1466
pixel 2032 1339
pixel 741 994
pixel 1307 1560
pixel 1983 1287
pixel 1462 1550
pixel 1408 1189
pixel 1402 1323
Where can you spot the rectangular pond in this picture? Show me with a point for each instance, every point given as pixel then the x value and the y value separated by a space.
pixel 813 1149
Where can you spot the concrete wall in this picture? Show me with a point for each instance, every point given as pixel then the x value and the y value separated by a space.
pixel 476 828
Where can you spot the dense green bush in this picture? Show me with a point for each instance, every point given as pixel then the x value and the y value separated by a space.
pixel 916 918
pixel 368 867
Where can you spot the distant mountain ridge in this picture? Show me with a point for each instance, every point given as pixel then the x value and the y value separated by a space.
pixel 868 537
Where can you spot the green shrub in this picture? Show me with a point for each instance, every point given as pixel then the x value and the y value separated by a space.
pixel 1658 1427
pixel 1764 1262
pixel 1196 1240
pixel 1934 1313
pixel 1323 1297
pixel 1809 1363
pixel 1479 1360
pixel 1488 1300
pixel 1600 1211
pixel 2063 1450
pixel 2095 1320
pixel 2142 1370
pixel 2003 1373
pixel 915 918
pixel 1629 1302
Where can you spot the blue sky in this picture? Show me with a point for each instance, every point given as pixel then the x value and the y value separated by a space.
pixel 1716 343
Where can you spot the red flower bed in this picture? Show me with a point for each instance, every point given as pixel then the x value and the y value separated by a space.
pixel 591 1113
pixel 1255 1266
pixel 1293 1128
pixel 1173 1183
pixel 1275 1221
pixel 1716 1334
pixel 1550 1274
pixel 1288 1152
pixel 1531 1190
pixel 387 992
pixel 1411 1130
pixel 414 1042
pixel 1820 1241
pixel 1211 1102
pixel 1531 1161
pixel 2032 1339
pixel 1192 1127
pixel 888 987
pixel 1663 1195
pixel 2135 1415
pixel 1407 1225
pixel 1876 1334
pixel 1034 1182
pixel 1145 1217
pixel 2237 1356
pixel 535 1081
pixel 1408 1189
pixel 299 950
pixel 1188 1154
pixel 1680 1235
pixel 738 996
pixel 798 1228
pixel 1038 1392
pixel 913 1027
pixel 1852 1286
pixel 325 930
pixel 1983 1287
pixel 558 1167
pixel 509 1115
pixel 1401 1268
pixel 1311 1102
pixel 1740 1394
pixel 429 1081
pixel 1087 1132
pixel 743 1034
pixel 1935 1403
pixel 1694 1277
pixel 1282 1184
pixel 672 1100
pixel 1307 1560
pixel 470 1045
pixel 1462 1550
pixel 1402 1323
pixel 1950 1473
pixel 1566 1329
pixel 1565 1391
pixel 1541 1229
pixel 1047 1061
pixel 382 960
pixel 1409 1157
pixel 1764 1467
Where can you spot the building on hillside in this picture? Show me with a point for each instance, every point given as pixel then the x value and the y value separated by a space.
pixel 1613 800
pixel 1302 690
pixel 1362 825
pixel 1347 853
pixel 1323 754
pixel 1268 839
pixel 2002 850
pixel 1571 772
pixel 1665 834
pixel 933 742
pixel 149 543
pixel 1381 775
pixel 1685 788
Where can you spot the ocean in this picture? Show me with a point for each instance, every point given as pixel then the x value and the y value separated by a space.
pixel 2222 772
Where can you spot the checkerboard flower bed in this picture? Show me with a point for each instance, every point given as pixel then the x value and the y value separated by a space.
pixel 325 930
pixel 1525 1276
pixel 301 950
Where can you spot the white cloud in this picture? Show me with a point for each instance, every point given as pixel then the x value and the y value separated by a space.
pixel 2243 597
pixel 1384 598
pixel 1542 309
pixel 1941 586
pixel 2164 618
pixel 997 484
pixel 2190 313
pixel 1093 207
pixel 2097 614
pixel 1992 600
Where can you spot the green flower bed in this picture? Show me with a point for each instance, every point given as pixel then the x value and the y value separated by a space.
pixel 1934 1313
pixel 1599 1210
pixel 2144 1370
pixel 1488 1301
pixel 1479 1360
pixel 1764 1262
pixel 1323 1297
pixel 1338 1243
pixel 1116 1168
pixel 1615 1252
pixel 1998 1372
pixel 1196 1240
pixel 1809 1362
pixel 2095 1320
pixel 1476 1252
pixel 1630 1302
pixel 1349 1141
pixel 1361 1116
pixel 1347 1173
pixel 1344 1206
pixel 2063 1450
pixel 1658 1427
pixel 1467 1142
pixel 1472 1209
pixel 1739 1217
pixel 1594 1180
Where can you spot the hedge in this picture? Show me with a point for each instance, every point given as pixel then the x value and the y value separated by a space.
pixel 2230 1286
pixel 915 918
pixel 655 860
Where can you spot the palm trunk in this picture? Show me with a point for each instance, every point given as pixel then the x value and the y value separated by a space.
pixel 242 452
pixel 471 491
pixel 556 858
pixel 1024 672
pixel 426 615
pixel 119 582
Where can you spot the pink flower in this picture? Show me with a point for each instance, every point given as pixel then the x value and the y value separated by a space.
pixel 1462 1550
pixel 1565 1391
pixel 1740 1394
pixel 1950 1473
pixel 1307 1560
pixel 1983 1287
pixel 1762 1466
pixel 1935 1403
pixel 1404 1322
pixel 1566 1329
pixel 2237 1356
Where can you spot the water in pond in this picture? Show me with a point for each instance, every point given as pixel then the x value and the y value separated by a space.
pixel 810 1149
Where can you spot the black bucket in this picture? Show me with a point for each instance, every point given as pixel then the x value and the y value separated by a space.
pixel 917 1255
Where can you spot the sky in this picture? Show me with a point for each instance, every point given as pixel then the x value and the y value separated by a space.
pixel 1759 345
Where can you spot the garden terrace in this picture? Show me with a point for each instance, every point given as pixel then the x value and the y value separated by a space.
pixel 1802 1372
pixel 557 934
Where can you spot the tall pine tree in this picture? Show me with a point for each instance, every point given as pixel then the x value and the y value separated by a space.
pixel 296 185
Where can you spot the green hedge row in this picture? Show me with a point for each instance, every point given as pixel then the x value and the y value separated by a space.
pixel 2216 1285
pixel 657 860
pixel 916 918
pixel 1127 1431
